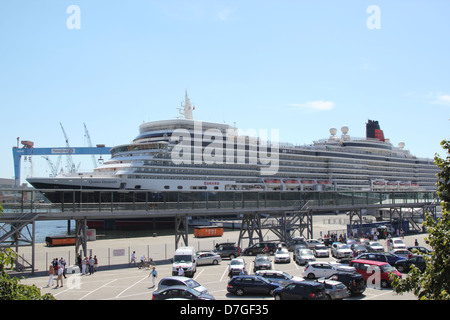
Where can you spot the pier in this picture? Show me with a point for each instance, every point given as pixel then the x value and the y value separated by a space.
pixel 281 212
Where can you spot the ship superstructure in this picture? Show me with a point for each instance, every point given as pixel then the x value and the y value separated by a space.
pixel 183 154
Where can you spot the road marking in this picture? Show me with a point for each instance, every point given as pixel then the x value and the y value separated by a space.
pixel 97 289
pixel 130 286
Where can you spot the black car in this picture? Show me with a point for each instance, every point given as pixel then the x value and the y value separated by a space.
pixel 419 249
pixel 416 260
pixel 261 247
pixel 180 292
pixel 251 284
pixel 228 250
pixel 382 257
pixel 262 262
pixel 353 281
pixel 302 290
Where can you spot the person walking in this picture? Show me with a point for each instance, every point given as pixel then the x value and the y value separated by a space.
pixel 51 272
pixel 133 258
pixel 63 264
pixel 154 275
pixel 59 278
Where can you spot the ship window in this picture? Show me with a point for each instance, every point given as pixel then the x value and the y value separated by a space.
pixel 137 187
pixel 180 187
pixel 166 187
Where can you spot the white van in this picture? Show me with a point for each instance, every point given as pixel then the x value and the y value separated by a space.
pixel 185 258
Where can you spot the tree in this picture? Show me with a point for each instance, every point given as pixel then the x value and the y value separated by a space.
pixel 434 282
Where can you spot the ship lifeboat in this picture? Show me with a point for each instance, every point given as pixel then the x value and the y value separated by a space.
pixel 414 185
pixel 308 182
pixel 392 185
pixel 404 185
pixel 324 182
pixel 273 183
pixel 291 184
pixel 378 184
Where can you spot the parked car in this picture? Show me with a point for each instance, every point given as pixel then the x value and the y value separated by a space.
pixel 262 262
pixel 181 281
pixel 419 249
pixel 353 281
pixel 277 276
pixel 375 271
pixel 321 251
pixel 282 256
pixel 341 250
pixel 303 256
pixel 405 253
pixel 312 243
pixel 334 290
pixel 209 257
pixel 358 248
pixel 415 260
pixel 398 243
pixel 383 257
pixel 251 284
pixel 228 250
pixel 180 292
pixel 302 290
pixel 373 246
pixel 236 266
pixel 261 248
pixel 319 269
pixel 290 245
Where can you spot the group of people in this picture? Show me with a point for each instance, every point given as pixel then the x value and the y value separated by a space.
pixel 57 269
pixel 87 265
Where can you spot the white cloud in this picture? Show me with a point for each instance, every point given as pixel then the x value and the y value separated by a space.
pixel 440 98
pixel 318 105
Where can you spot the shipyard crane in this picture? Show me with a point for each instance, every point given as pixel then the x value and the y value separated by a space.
pixel 53 168
pixel 88 138
pixel 70 164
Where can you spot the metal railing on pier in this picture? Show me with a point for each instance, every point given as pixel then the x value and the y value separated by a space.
pixel 40 201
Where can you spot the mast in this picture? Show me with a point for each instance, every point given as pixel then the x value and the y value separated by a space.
pixel 186 109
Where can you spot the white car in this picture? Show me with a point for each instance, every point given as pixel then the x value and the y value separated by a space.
pixel 236 267
pixel 319 269
pixel 282 255
pixel 312 243
pixel 405 253
pixel 340 250
pixel 398 243
pixel 321 251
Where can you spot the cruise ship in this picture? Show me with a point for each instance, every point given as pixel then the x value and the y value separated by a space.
pixel 183 154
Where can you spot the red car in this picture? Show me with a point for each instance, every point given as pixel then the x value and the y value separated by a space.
pixel 375 272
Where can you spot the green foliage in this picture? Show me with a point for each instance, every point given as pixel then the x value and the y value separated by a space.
pixel 11 288
pixel 434 282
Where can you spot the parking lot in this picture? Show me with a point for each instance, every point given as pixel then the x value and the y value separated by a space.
pixel 130 283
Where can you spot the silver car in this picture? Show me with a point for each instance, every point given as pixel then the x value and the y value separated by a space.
pixel 181 281
pixel 334 290
pixel 208 257
pixel 304 256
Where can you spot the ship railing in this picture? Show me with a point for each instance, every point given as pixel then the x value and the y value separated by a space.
pixel 68 200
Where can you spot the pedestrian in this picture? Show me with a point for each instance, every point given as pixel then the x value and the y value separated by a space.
pixel 416 243
pixel 133 258
pixel 84 263
pixel 91 265
pixel 180 271
pixel 51 272
pixel 95 263
pixel 59 278
pixel 154 275
pixel 63 264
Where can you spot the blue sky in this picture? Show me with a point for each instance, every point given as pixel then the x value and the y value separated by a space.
pixel 297 66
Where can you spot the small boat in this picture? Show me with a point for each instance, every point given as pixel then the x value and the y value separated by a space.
pixel 291 184
pixel 273 183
